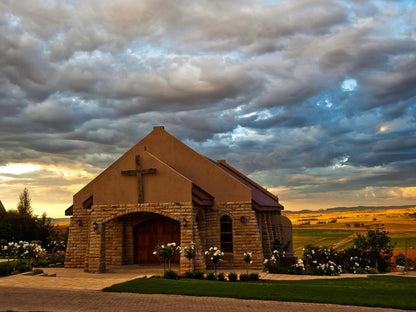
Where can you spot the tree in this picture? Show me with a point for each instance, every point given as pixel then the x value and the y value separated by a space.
pixel 24 206
pixel 22 225
pixel 377 246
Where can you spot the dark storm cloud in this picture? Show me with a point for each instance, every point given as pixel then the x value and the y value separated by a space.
pixel 262 85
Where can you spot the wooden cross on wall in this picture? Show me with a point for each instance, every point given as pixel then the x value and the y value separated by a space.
pixel 139 172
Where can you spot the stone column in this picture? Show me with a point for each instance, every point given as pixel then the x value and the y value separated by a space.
pixel 128 243
pixel 77 246
pixel 96 253
pixel 199 260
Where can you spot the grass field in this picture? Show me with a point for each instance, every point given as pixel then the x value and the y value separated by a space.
pixel 375 291
pixel 338 229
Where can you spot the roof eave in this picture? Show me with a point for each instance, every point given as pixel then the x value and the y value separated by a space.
pixel 258 207
pixel 69 211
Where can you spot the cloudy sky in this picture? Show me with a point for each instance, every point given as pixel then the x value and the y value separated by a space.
pixel 313 99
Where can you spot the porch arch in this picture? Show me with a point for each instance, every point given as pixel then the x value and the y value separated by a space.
pixel 102 234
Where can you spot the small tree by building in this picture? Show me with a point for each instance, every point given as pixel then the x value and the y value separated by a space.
pixel 166 252
pixel 376 245
pixel 190 252
pixel 214 254
pixel 247 259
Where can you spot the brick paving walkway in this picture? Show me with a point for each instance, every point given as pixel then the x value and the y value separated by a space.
pixel 35 299
pixel 75 290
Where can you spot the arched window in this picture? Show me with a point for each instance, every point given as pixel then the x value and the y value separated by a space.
pixel 226 234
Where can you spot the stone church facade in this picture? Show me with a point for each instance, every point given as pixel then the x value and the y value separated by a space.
pixel 162 191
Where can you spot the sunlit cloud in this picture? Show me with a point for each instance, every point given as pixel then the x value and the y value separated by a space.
pixel 18 169
pixel 69 173
pixel 383 129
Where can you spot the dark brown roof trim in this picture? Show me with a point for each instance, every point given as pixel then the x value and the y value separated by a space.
pixel 257 207
pixel 201 197
pixel 69 211
pixel 87 204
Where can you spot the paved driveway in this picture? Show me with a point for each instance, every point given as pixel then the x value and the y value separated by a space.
pixel 75 290
pixel 61 300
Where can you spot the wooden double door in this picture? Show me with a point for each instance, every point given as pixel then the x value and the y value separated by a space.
pixel 151 233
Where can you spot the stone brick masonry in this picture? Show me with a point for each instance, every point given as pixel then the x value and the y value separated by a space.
pixel 112 243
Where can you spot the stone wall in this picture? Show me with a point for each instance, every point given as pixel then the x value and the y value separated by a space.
pixel 77 245
pixel 246 235
pixel 112 242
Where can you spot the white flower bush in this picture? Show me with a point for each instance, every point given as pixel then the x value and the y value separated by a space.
pixel 247 257
pixel 214 255
pixel 166 253
pixel 297 268
pixel 189 252
pixel 321 260
pixel 22 250
pixel 273 264
pixel 358 265
pixel 329 268
pixel 57 251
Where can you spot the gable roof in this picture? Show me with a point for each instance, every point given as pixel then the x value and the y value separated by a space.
pixel 2 209
pixel 263 199
pixel 196 176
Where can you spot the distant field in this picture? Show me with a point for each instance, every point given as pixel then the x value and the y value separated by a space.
pixel 337 229
pixel 61 221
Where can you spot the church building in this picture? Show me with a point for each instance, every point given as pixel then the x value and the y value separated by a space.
pixel 162 191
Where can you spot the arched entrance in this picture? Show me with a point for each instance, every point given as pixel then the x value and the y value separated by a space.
pixel 151 233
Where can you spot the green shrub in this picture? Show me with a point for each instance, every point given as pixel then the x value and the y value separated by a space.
pixel 211 276
pixel 232 277
pixel 44 261
pixel 372 271
pixel 189 274
pixel 400 259
pixel 37 271
pixel 22 266
pixel 221 277
pixel 253 277
pixel 244 277
pixel 199 275
pixel 5 268
pixel 170 274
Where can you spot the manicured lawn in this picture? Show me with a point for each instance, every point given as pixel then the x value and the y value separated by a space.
pixel 375 291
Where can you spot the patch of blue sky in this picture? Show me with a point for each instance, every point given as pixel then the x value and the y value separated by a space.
pixel 243 134
pixel 143 50
pixel 231 56
pixel 340 161
pixel 349 85
pixel 345 3
pixel 12 20
pixel 88 57
pixel 261 115
pixel 325 101
pixel 404 3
